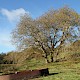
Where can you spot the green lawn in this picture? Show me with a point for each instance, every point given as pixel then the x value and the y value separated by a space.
pixel 65 70
pixel 62 71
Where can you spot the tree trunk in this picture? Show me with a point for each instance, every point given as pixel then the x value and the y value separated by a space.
pixel 46 56
pixel 55 57
pixel 51 57
pixel 46 60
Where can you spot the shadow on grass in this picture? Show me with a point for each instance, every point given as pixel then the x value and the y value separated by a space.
pixel 52 74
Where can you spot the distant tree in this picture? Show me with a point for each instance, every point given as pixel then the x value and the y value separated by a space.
pixel 50 32
pixel 75 47
pixel 9 58
pixel 2 55
pixel 12 58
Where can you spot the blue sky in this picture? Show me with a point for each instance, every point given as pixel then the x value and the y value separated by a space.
pixel 10 11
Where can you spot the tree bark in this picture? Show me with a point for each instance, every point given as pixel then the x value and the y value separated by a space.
pixel 55 56
pixel 51 57
pixel 46 60
pixel 46 56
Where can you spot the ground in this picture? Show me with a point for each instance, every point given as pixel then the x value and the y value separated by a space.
pixel 62 71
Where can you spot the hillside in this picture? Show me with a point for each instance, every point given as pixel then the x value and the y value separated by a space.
pixel 67 67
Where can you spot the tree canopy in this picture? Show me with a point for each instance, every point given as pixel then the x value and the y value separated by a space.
pixel 49 32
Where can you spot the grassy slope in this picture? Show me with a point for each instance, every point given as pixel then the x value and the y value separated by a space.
pixel 62 71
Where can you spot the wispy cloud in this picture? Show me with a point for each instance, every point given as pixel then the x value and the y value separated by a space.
pixel 5 39
pixel 5 43
pixel 8 22
pixel 13 15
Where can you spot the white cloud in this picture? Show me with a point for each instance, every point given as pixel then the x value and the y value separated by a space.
pixel 13 15
pixel 6 27
pixel 5 40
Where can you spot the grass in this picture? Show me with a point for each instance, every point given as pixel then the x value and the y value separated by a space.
pixel 62 71
pixel 65 70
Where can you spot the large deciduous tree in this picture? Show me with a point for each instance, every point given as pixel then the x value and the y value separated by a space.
pixel 50 32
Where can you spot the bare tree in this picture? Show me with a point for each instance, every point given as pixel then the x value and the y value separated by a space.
pixel 61 24
pixel 50 32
